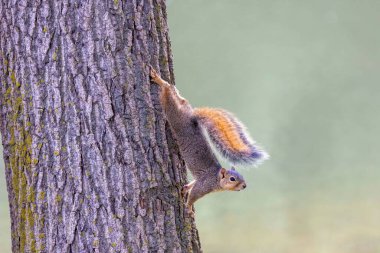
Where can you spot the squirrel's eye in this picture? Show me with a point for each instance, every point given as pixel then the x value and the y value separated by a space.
pixel 232 179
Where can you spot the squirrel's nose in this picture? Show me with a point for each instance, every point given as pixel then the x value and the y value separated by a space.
pixel 244 185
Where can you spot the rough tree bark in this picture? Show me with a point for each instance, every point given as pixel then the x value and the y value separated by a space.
pixel 90 163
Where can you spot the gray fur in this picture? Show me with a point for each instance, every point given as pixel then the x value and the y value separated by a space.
pixel 194 148
pixel 200 160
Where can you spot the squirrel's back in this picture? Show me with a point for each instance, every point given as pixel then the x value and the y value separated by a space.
pixel 229 136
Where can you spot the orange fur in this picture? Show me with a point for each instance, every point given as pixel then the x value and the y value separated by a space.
pixel 229 133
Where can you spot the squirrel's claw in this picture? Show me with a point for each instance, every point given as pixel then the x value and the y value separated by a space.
pixel 190 210
pixel 185 189
pixel 185 192
pixel 157 78
pixel 153 73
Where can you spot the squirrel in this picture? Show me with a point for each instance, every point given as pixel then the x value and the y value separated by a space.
pixel 224 130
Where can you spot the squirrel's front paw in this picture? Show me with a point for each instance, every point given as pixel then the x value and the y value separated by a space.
pixel 190 210
pixel 185 190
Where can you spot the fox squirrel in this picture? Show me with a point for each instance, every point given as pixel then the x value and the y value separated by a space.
pixel 224 130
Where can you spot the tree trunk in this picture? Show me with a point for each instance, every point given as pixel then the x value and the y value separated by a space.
pixel 90 163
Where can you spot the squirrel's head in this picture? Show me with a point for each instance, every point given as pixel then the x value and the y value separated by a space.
pixel 231 180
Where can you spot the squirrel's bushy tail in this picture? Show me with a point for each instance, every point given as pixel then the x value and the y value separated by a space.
pixel 229 136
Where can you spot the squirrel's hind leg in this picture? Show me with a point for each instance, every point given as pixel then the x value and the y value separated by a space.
pixel 161 82
pixel 181 99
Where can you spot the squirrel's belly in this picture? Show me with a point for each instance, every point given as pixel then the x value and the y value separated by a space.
pixel 197 153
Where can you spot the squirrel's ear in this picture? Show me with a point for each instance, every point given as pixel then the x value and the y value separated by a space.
pixel 233 168
pixel 222 173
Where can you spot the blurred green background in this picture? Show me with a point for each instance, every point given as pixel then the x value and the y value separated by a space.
pixel 304 77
